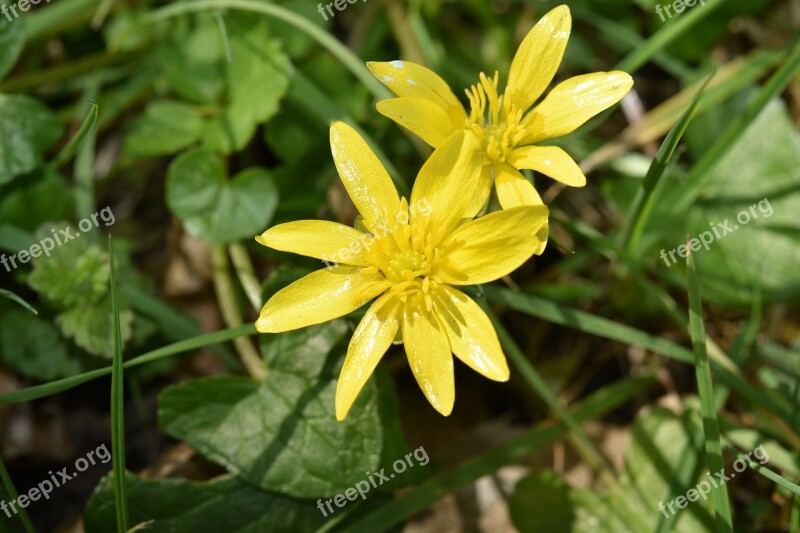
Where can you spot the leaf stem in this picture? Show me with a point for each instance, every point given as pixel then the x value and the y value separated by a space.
pixel 246 273
pixel 230 312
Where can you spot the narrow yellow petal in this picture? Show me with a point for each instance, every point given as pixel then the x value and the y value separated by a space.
pixel 364 177
pixel 447 183
pixel 428 352
pixel 372 338
pixel 551 161
pixel 423 118
pixel 490 247
pixel 320 239
pixel 471 333
pixel 318 297
pixel 514 190
pixel 574 101
pixel 407 79
pixel 482 192
pixel 538 58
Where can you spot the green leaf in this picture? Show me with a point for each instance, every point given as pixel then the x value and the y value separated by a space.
pixel 33 347
pixel 660 447
pixel 541 503
pixel 281 434
pixel 90 325
pixel 238 94
pixel 165 128
pixel 27 130
pixel 40 197
pixel 179 506
pixel 74 273
pixel 14 298
pixel 257 79
pixel 12 40
pixel 764 251
pixel 214 209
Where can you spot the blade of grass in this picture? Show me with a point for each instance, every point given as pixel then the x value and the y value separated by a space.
pixel 731 78
pixel 713 444
pixel 13 494
pixel 766 472
pixel 351 61
pixel 598 404
pixel 61 385
pixel 117 408
pixel 627 38
pixel 602 327
pixel 68 151
pixel 774 86
pixel 84 167
pixel 13 297
pixel 665 35
pixel 642 203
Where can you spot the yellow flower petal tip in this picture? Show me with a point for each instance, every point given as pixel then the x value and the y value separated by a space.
pixel 507 120
pixel 263 325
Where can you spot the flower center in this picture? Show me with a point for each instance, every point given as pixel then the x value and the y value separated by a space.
pixel 494 121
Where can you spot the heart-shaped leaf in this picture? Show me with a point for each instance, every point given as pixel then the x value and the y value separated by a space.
pixel 281 434
pixel 213 208
pixel 27 130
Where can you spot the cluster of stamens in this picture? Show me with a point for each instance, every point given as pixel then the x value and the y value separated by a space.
pixel 494 120
pixel 406 256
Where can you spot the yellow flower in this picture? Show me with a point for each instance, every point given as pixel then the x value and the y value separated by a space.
pixel 508 126
pixel 411 258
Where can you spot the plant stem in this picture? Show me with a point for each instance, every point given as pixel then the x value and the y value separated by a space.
pixel 246 274
pixel 230 312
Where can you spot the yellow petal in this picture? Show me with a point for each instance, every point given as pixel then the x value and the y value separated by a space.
pixel 318 297
pixel 447 184
pixel 572 102
pixel 471 333
pixel 364 177
pixel 321 239
pixel 538 58
pixel 423 118
pixel 482 193
pixel 551 161
pixel 428 352
pixel 372 338
pixel 490 247
pixel 407 79
pixel 514 190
